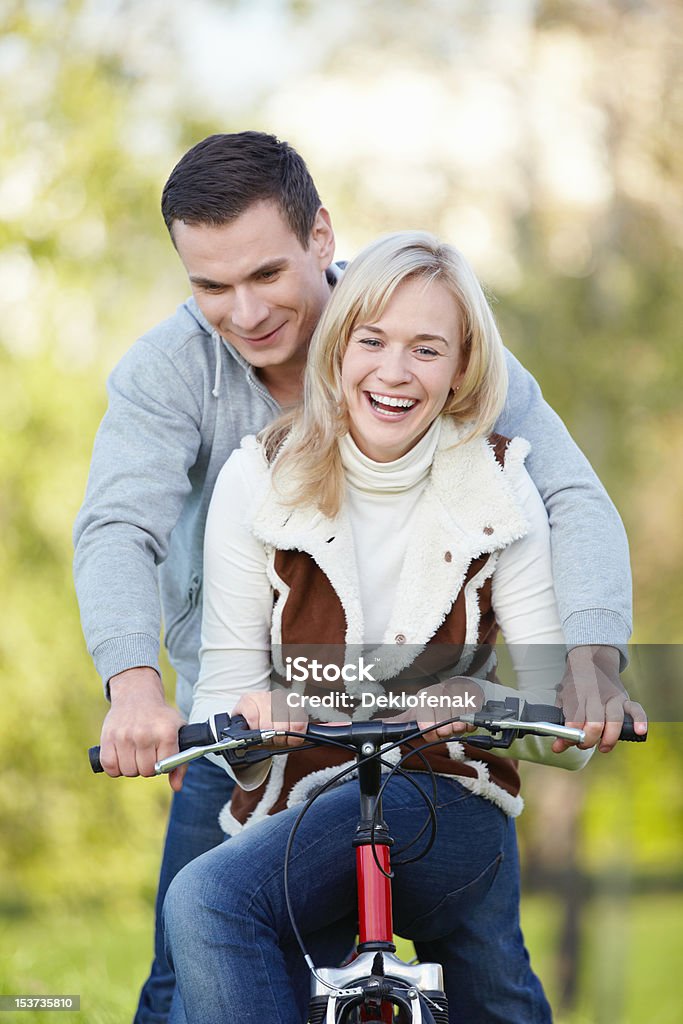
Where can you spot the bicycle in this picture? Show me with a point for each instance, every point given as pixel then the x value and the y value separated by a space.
pixel 375 986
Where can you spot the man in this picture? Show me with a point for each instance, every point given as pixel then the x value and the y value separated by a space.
pixel 249 227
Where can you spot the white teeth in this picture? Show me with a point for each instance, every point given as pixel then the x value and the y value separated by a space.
pixel 396 403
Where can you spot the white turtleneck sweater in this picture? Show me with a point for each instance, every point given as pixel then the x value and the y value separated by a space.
pixel 381 498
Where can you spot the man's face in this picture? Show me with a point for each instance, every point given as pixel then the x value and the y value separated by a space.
pixel 257 285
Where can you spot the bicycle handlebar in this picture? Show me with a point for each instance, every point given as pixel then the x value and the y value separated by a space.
pixel 496 717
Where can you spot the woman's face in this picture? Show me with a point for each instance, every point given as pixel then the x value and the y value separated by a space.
pixel 397 372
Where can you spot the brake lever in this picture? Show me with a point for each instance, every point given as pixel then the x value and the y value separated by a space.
pixel 512 728
pixel 228 746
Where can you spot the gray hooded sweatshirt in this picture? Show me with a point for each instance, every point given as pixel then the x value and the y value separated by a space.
pixel 180 401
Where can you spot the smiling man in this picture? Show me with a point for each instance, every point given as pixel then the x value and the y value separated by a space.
pixel 261 287
pixel 249 227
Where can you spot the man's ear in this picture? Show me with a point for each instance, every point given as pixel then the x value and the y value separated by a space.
pixel 322 238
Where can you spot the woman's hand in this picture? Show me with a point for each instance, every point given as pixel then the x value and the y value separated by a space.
pixel 259 712
pixel 458 695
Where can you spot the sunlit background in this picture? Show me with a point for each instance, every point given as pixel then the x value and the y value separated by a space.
pixel 542 138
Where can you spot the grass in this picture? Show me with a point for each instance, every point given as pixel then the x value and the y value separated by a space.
pixel 630 969
pixel 101 957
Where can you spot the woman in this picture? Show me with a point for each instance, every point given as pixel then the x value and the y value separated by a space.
pixel 378 515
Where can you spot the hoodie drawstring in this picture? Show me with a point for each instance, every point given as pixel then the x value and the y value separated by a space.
pixel 217 352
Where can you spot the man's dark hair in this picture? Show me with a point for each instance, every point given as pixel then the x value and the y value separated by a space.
pixel 223 175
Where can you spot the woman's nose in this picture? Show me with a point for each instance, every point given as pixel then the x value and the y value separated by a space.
pixel 394 368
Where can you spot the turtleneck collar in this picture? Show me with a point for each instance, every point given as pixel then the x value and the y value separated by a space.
pixel 364 474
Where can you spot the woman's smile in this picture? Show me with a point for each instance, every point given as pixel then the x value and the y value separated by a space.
pixel 392 406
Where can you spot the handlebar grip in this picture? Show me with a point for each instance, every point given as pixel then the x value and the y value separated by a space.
pixel 549 713
pixel 197 734
pixel 94 758
pixel 628 732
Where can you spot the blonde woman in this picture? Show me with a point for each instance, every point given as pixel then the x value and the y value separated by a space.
pixel 380 514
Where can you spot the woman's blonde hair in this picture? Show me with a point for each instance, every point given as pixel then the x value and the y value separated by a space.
pixel 304 445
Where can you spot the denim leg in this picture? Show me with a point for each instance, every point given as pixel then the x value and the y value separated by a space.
pixel 228 934
pixel 487 971
pixel 231 940
pixel 192 830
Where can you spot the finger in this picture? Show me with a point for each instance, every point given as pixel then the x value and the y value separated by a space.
pixel 109 757
pixel 300 727
pixel 167 743
pixel 593 730
pixel 176 777
pixel 574 711
pixel 637 713
pixel 250 710
pixel 452 729
pixel 614 722
pixel 145 760
pixel 560 745
pixel 598 720
pixel 126 754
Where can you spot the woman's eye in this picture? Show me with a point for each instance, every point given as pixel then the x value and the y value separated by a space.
pixel 371 342
pixel 424 351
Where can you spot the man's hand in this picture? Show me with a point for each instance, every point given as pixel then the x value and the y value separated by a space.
pixel 140 728
pixel 593 698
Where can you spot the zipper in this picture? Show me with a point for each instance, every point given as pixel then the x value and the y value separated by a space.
pixel 189 607
pixel 254 382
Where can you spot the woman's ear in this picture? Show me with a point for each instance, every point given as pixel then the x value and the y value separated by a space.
pixel 322 238
pixel 456 383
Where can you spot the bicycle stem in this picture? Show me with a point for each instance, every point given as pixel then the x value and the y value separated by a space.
pixel 372 843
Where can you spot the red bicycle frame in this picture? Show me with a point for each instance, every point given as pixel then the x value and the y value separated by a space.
pixel 374 897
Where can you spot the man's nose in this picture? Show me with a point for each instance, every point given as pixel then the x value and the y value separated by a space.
pixel 248 310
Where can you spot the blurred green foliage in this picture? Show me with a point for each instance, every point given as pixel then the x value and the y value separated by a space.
pixel 85 263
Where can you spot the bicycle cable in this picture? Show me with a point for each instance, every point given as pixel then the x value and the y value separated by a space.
pixel 347 770
pixel 431 819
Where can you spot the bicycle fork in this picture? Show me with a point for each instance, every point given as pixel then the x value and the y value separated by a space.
pixel 376 987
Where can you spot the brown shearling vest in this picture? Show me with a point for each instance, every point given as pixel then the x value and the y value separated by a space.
pixel 313 609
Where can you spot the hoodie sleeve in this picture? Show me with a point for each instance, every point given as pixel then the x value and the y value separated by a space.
pixel 144 449
pixel 526 610
pixel 590 557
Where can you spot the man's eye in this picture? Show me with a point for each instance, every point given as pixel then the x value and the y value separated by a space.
pixel 268 275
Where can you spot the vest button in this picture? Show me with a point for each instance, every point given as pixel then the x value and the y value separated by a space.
pixel 488 530
pixel 400 638
pixel 448 557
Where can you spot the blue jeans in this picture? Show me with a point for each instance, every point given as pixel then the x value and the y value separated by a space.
pixel 192 830
pixel 231 943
